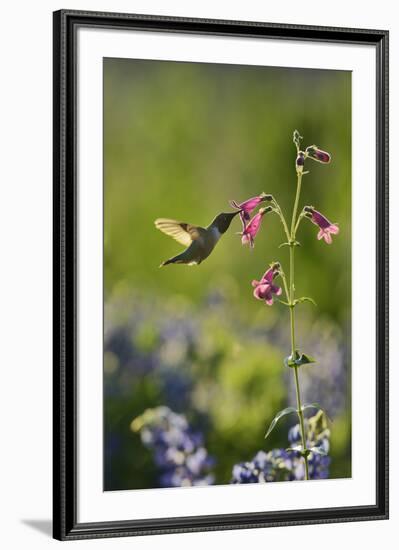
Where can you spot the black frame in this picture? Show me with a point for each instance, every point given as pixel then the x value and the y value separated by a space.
pixel 66 22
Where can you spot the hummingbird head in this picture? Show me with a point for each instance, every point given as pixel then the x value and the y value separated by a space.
pixel 223 220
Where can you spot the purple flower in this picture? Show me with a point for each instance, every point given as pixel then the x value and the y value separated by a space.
pixel 286 464
pixel 248 206
pixel 250 230
pixel 326 227
pixel 177 450
pixel 276 465
pixel 264 289
pixel 315 153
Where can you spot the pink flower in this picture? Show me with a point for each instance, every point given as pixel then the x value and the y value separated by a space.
pixel 315 153
pixel 264 289
pixel 248 206
pixel 326 227
pixel 250 230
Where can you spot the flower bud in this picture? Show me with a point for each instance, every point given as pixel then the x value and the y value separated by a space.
pixel 317 154
pixel 300 161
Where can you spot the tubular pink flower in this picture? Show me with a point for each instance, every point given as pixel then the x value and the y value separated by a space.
pixel 264 289
pixel 250 230
pixel 326 227
pixel 248 206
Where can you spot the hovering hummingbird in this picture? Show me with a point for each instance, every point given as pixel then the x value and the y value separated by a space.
pixel 199 242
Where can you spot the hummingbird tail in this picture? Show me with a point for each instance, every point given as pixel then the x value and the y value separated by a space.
pixel 174 260
pixel 166 262
pixel 180 259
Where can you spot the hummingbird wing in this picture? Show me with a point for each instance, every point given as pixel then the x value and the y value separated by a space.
pixel 184 233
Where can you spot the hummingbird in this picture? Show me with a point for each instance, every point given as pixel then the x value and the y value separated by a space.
pixel 199 241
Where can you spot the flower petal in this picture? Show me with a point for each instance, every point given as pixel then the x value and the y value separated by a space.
pixel 262 292
pixel 320 220
pixel 258 294
pixel 277 290
pixel 250 204
pixel 243 220
pixel 334 229
pixel 268 275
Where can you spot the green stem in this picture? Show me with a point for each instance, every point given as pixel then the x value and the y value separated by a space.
pixel 300 217
pixel 298 193
pixel 280 214
pixel 292 319
pixel 287 293
pixel 301 422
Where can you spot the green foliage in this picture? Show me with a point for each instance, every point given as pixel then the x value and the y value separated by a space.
pixel 304 299
pixel 298 360
pixel 181 139
pixel 279 415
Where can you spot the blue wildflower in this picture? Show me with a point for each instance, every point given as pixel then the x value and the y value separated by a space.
pixel 177 450
pixel 287 465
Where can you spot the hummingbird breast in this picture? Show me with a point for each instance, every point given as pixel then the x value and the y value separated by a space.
pixel 200 249
pixel 208 242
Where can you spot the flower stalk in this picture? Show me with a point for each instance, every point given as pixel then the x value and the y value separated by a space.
pixel 265 289
pixel 294 226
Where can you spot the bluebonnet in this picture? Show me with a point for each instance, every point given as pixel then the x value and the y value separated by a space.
pixel 177 450
pixel 167 348
pixel 160 352
pixel 275 465
pixel 287 464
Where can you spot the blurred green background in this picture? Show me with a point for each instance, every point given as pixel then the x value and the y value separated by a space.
pixel 180 140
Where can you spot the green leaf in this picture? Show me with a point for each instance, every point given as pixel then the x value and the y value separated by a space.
pixel 316 406
pixel 298 360
pixel 305 359
pixel 318 451
pixel 294 243
pixel 305 299
pixel 278 416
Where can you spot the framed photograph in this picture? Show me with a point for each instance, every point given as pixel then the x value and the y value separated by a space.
pixel 220 274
